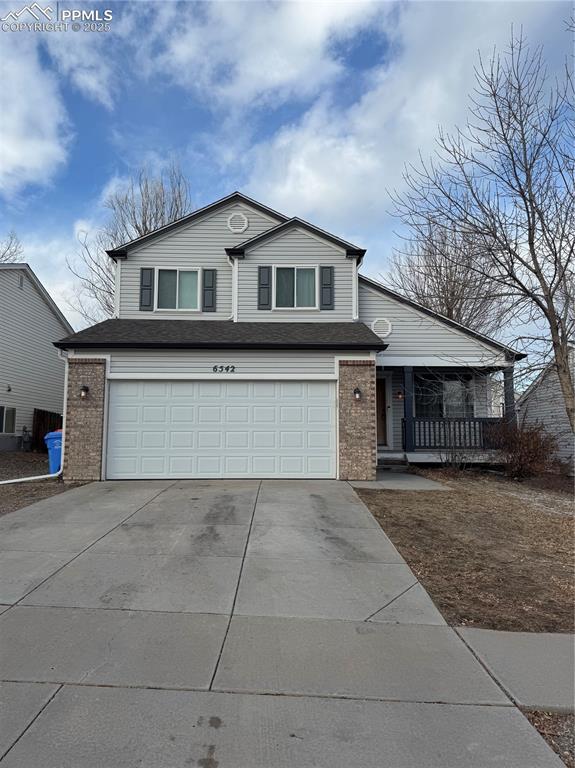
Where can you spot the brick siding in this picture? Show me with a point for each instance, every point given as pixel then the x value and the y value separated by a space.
pixel 84 419
pixel 357 421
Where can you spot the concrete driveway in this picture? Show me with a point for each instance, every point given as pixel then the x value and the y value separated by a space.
pixel 233 624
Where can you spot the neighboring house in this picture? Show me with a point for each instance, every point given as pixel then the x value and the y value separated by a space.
pixel 31 370
pixel 245 344
pixel 543 403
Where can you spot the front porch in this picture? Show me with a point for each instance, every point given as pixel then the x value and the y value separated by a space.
pixel 435 415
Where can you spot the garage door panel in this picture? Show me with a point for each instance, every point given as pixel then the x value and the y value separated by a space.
pixel 182 440
pixel 154 439
pixel 221 429
pixel 183 414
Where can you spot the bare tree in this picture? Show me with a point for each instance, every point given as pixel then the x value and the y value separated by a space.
pixel 506 180
pixel 10 248
pixel 445 271
pixel 145 204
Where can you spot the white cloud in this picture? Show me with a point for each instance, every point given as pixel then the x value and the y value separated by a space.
pixel 334 165
pixel 84 60
pixel 241 53
pixel 34 130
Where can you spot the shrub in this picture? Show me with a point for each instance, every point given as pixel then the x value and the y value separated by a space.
pixel 526 449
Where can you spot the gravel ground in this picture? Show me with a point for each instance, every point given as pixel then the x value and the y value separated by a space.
pixel 18 464
pixel 558 731
pixel 491 553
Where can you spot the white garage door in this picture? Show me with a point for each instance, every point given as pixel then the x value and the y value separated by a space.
pixel 221 429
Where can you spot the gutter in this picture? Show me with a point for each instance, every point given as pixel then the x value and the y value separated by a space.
pixel 228 345
pixel 63 356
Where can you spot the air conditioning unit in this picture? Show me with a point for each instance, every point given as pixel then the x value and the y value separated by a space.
pixel 381 327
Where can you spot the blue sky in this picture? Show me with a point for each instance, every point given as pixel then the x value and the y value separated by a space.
pixel 312 108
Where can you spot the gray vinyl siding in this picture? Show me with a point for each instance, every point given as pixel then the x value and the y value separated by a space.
pixel 134 363
pixel 544 404
pixel 29 363
pixel 295 248
pixel 416 336
pixel 201 244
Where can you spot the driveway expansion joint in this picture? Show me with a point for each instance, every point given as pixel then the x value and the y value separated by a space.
pixel 217 664
pixel 486 668
pixel 411 586
pixel 33 720
pixel 75 557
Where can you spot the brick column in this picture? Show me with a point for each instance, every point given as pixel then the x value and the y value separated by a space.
pixel 357 420
pixel 84 419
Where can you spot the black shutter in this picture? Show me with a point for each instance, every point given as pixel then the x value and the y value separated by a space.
pixel 146 289
pixel 264 287
pixel 326 288
pixel 209 290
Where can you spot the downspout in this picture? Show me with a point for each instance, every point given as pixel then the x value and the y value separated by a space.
pixel 63 356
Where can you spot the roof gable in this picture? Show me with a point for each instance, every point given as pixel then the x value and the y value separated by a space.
pixel 44 295
pixel 509 353
pixel 352 251
pixel 121 252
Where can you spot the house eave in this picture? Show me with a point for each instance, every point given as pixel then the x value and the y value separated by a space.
pixel 351 251
pixel 220 345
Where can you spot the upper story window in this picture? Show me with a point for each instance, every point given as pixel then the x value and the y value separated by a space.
pixel 296 288
pixel 178 289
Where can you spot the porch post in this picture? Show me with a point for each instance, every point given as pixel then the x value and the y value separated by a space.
pixel 509 395
pixel 408 408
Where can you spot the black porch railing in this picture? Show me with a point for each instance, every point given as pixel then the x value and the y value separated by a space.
pixel 444 434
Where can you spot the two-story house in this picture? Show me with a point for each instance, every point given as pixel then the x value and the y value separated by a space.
pixel 246 344
pixel 31 370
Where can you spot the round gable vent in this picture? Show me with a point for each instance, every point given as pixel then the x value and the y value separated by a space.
pixel 381 327
pixel 237 223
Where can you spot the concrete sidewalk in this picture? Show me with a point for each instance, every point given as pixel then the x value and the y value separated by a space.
pixel 536 669
pixel 392 480
pixel 233 624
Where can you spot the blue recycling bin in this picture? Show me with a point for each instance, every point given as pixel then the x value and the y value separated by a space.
pixel 53 441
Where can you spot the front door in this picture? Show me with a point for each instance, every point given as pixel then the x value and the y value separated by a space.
pixel 381 404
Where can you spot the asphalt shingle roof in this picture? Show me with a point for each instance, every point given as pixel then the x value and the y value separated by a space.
pixel 214 334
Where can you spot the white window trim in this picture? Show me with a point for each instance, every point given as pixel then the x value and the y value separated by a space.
pixel 315 308
pixel 3 421
pixel 161 310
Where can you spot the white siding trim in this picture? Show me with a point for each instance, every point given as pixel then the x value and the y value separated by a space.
pixel 234 265
pixel 105 420
pixel 224 376
pixel 117 287
pixel 354 293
